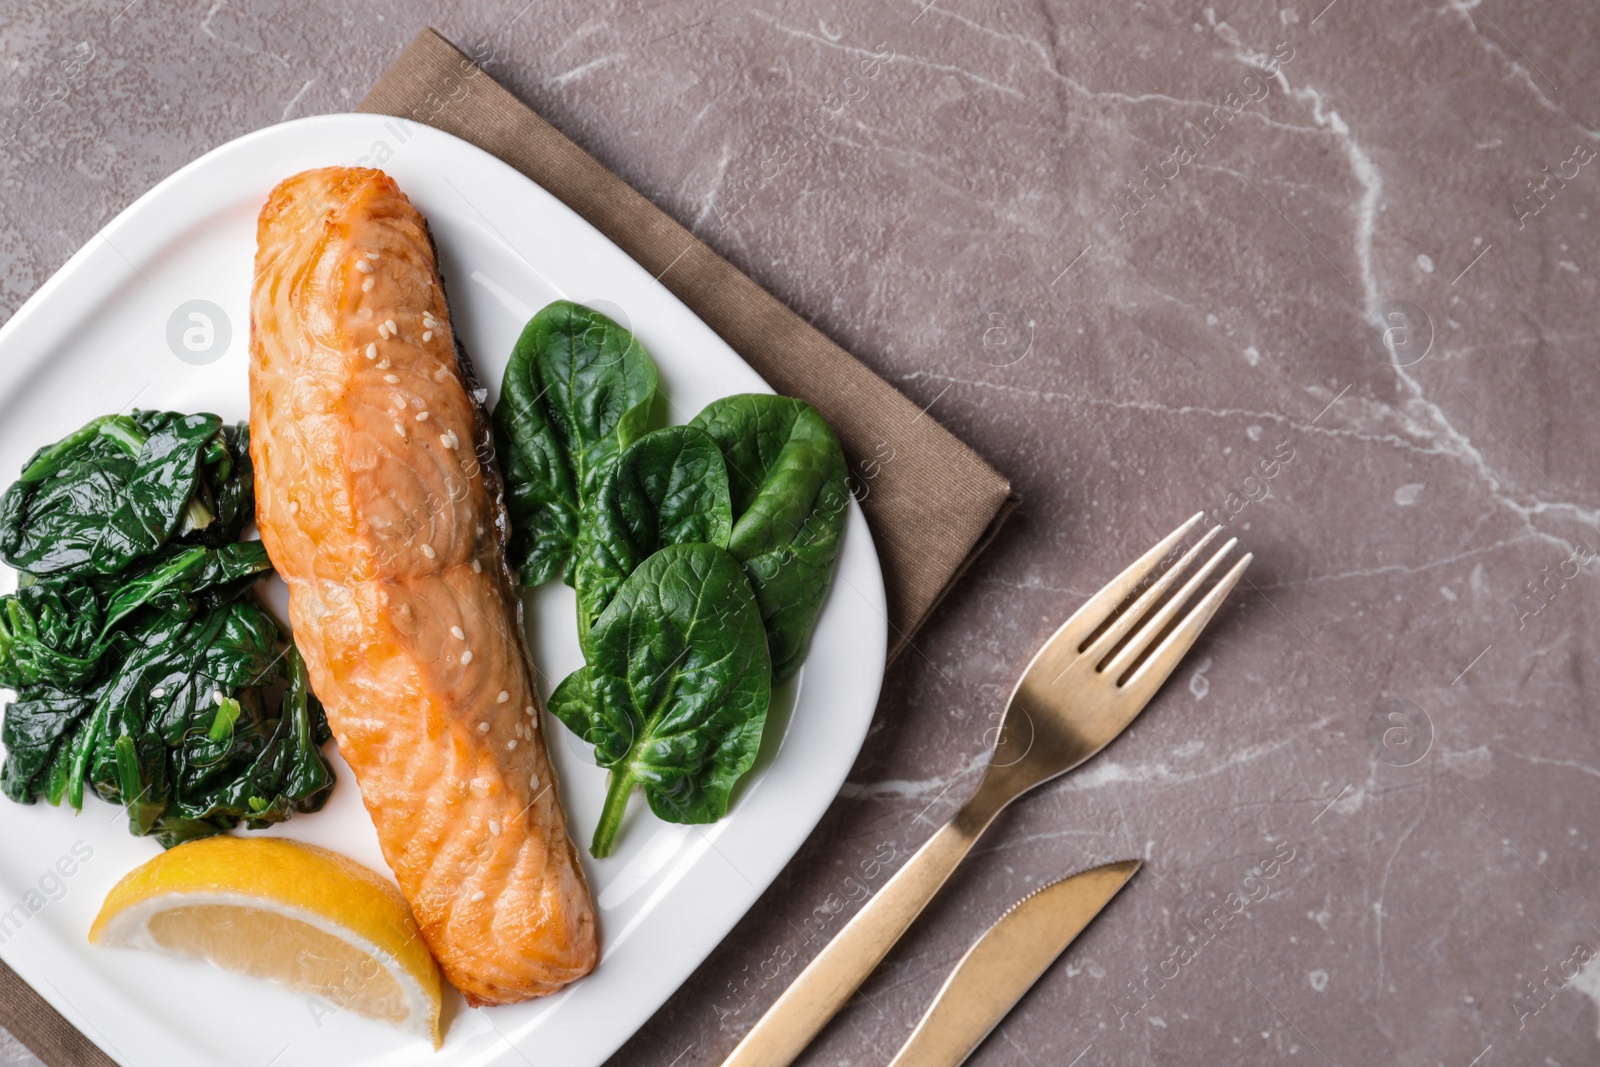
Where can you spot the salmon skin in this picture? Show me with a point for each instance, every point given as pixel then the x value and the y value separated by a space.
pixel 379 505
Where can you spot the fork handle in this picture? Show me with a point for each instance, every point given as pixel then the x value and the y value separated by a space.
pixel 833 977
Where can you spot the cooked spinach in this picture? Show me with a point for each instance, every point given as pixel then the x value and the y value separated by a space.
pixel 145 670
pixel 51 632
pixel 58 631
pixel 202 719
pixel 669 487
pixel 576 393
pixel 787 478
pixel 36 728
pixel 679 686
pixel 207 723
pixel 121 488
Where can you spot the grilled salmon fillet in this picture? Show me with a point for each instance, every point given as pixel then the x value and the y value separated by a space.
pixel 379 505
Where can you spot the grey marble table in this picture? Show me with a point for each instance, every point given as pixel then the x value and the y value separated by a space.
pixel 1348 307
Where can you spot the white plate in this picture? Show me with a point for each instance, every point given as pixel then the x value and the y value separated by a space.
pixel 94 339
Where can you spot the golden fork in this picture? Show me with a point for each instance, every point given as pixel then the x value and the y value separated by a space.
pixel 1074 698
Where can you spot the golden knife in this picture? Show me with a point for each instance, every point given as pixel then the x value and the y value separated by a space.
pixel 1006 961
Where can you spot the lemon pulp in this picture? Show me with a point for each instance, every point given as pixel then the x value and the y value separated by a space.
pixel 301 916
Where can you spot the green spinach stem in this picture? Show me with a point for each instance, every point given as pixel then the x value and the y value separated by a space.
pixel 83 746
pixel 605 831
pixel 120 428
pixel 125 432
pixel 583 631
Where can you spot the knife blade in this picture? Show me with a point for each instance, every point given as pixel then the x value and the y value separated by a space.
pixel 1005 963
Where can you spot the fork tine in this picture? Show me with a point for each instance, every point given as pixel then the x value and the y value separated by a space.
pixel 1099 607
pixel 1137 610
pixel 1150 629
pixel 1155 670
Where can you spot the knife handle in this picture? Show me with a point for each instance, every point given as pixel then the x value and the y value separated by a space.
pixel 833 977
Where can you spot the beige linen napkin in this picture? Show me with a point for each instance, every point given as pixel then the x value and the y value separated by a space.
pixel 932 503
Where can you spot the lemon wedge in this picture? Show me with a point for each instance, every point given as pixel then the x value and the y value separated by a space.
pixel 297 915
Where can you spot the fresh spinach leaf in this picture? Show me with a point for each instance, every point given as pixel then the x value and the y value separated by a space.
pixel 679 682
pixel 669 487
pixel 787 476
pixel 576 393
pixel 573 702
